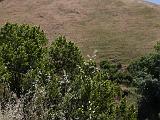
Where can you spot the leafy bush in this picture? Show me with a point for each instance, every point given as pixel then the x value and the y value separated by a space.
pixel 146 73
pixel 21 51
pixel 55 83
pixel 65 56
pixel 148 64
pixel 115 72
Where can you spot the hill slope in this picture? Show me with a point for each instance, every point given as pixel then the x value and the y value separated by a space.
pixel 122 29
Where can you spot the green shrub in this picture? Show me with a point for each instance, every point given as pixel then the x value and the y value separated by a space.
pixel 65 56
pixel 115 72
pixel 21 51
pixel 146 74
pixel 57 83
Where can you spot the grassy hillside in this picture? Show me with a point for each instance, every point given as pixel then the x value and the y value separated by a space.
pixel 121 29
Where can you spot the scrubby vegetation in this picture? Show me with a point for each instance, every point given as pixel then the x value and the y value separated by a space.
pixel 54 82
pixel 146 75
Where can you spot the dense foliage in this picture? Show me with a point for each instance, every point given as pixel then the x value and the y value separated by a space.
pixel 66 56
pixel 146 73
pixel 55 82
pixel 115 72
pixel 21 51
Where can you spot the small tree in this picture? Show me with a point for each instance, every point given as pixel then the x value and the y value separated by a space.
pixel 65 56
pixel 21 51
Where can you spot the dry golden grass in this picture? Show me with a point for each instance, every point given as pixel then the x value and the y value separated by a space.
pixel 117 29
